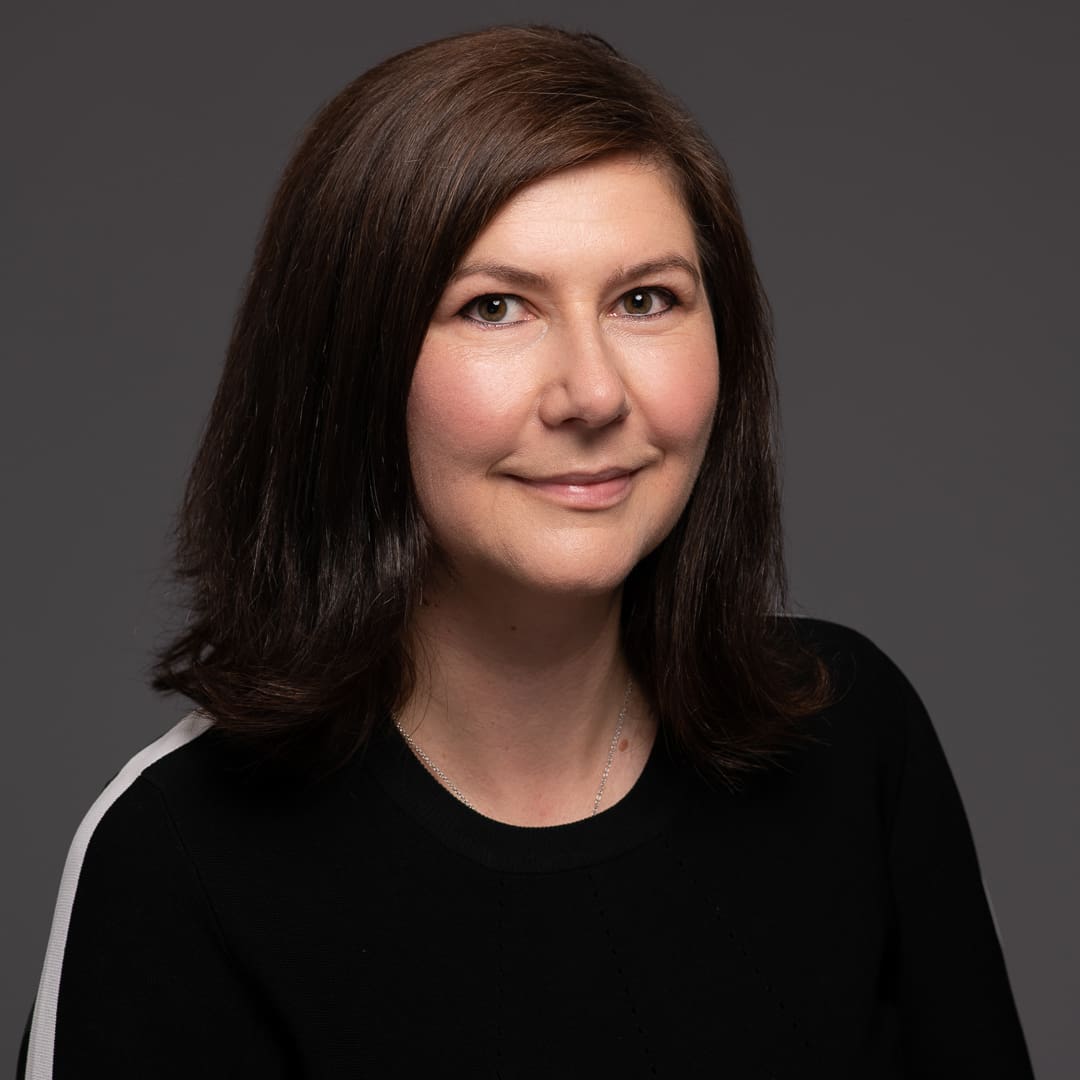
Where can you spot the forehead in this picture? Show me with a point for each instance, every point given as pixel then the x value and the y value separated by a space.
pixel 618 207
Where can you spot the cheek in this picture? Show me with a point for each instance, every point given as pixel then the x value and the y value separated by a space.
pixel 457 416
pixel 680 399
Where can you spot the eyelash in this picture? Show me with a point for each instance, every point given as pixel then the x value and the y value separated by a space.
pixel 667 295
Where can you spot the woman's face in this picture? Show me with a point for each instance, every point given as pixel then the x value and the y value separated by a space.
pixel 563 396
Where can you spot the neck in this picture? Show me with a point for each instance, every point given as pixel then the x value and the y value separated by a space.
pixel 517 700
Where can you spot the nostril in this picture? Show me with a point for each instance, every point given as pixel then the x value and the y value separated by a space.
pixel 594 405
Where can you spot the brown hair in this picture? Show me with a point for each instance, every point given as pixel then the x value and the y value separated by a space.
pixel 299 538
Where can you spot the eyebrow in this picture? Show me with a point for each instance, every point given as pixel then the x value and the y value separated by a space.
pixel 515 275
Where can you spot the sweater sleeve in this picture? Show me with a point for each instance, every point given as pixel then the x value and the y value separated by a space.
pixel 146 985
pixel 958 1017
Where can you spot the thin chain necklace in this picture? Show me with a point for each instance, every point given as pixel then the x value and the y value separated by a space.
pixel 456 791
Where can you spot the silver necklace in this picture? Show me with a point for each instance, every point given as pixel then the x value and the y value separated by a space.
pixel 456 791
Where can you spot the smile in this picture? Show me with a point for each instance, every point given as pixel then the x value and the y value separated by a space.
pixel 584 491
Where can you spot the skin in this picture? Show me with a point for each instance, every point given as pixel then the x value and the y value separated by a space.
pixel 557 419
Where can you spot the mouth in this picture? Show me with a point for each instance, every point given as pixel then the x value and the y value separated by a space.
pixel 583 479
pixel 598 490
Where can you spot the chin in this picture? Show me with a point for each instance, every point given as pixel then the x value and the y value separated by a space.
pixel 575 574
pixel 573 563
pixel 579 586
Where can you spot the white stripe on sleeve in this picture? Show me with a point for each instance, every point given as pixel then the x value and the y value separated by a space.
pixel 39 1059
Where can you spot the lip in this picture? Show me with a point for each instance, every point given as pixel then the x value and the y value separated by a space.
pixel 583 478
pixel 598 490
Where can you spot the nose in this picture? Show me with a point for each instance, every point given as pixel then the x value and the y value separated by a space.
pixel 586 384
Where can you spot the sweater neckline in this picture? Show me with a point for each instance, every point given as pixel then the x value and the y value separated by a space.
pixel 639 816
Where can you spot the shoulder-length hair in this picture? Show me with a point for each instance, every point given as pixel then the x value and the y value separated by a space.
pixel 299 539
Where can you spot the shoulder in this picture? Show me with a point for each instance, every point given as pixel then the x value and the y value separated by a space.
pixel 127 818
pixel 865 761
pixel 189 782
pixel 123 796
pixel 875 720
pixel 862 675
pixel 137 949
pixel 122 842
pixel 207 793
pixel 851 656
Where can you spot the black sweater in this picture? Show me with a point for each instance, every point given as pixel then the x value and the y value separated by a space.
pixel 828 920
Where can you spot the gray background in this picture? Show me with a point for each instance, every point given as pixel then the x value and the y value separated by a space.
pixel 909 176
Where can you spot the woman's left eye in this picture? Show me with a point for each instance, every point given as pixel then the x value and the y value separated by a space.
pixel 642 303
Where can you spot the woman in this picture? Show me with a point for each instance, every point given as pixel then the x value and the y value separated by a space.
pixel 502 766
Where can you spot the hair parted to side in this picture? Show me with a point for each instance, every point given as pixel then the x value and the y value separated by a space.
pixel 299 541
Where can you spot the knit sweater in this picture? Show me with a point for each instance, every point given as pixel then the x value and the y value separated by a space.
pixel 827 919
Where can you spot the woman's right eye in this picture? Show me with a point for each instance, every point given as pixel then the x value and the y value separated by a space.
pixel 494 309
